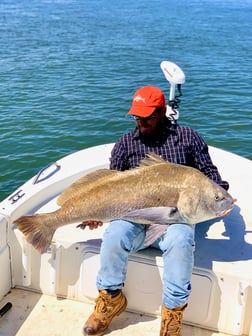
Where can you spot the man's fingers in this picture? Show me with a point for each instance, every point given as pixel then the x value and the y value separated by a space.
pixel 81 226
pixel 91 224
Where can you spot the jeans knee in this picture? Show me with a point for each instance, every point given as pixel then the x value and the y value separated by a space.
pixel 112 240
pixel 179 236
pixel 123 235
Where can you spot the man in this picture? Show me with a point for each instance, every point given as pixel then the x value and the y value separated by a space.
pixel 154 132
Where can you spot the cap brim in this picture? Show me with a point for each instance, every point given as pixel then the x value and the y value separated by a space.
pixel 141 111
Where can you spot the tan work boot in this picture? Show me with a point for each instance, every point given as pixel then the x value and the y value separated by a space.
pixel 106 308
pixel 171 321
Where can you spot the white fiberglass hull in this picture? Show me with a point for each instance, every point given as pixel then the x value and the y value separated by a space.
pixel 221 298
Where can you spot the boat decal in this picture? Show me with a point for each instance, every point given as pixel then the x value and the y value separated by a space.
pixel 16 197
pixel 40 176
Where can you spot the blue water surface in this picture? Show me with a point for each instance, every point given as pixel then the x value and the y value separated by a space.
pixel 69 68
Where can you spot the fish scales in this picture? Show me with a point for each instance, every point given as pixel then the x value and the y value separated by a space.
pixel 135 190
pixel 156 192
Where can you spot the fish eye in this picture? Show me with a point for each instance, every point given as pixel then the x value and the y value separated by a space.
pixel 218 197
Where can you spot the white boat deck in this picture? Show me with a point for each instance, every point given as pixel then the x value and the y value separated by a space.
pixel 221 296
pixel 34 314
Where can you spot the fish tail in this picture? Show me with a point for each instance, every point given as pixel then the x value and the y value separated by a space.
pixel 36 231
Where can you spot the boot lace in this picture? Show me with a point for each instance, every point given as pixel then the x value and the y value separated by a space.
pixel 171 322
pixel 104 304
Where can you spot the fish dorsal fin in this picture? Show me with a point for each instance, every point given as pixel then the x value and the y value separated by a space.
pixel 75 188
pixel 152 159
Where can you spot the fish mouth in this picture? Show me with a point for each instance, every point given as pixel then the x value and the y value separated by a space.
pixel 227 211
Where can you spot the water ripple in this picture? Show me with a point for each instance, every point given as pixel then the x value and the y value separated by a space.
pixel 69 70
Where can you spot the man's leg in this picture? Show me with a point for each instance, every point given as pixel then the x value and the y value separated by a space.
pixel 119 240
pixel 177 245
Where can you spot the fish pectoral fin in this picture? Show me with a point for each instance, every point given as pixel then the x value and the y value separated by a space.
pixel 160 215
pixel 153 232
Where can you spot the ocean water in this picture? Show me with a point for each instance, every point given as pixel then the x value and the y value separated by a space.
pixel 69 68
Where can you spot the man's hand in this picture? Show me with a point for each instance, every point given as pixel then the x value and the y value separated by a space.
pixel 91 224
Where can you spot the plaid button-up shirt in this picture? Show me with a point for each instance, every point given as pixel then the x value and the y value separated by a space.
pixel 177 144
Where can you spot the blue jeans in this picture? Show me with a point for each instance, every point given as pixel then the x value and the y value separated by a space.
pixel 177 245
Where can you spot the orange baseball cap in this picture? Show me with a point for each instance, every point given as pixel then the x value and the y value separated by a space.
pixel 146 100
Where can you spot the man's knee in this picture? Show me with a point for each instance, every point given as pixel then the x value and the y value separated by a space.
pixel 179 236
pixel 125 235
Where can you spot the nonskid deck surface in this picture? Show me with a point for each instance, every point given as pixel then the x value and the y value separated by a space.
pixel 33 314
